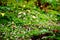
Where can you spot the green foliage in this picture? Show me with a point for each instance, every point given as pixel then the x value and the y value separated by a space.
pixel 21 19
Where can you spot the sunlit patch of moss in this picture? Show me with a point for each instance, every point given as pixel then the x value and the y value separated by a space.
pixel 2 14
